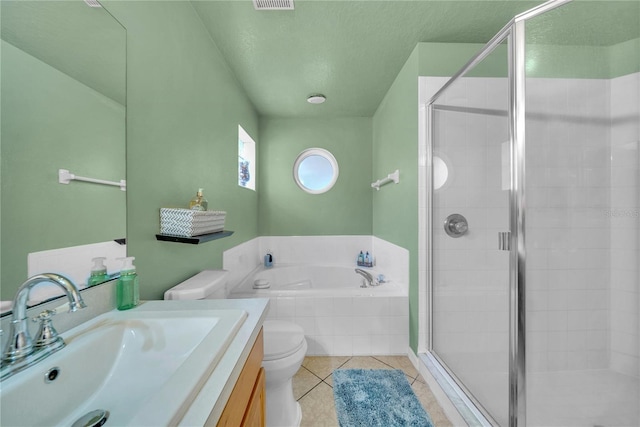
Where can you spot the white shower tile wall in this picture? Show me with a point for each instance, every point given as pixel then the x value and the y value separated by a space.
pixel 334 326
pixel 567 266
pixel 624 219
pixel 582 279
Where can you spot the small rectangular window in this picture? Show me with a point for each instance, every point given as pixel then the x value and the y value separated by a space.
pixel 246 160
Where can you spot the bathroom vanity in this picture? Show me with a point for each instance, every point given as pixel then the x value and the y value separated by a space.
pixel 161 363
pixel 246 405
pixel 234 394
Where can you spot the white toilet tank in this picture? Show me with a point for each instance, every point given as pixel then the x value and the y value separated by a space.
pixel 208 284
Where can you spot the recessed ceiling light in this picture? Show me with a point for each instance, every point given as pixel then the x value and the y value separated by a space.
pixel 316 99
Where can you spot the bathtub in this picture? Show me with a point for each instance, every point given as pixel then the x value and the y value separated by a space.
pixel 312 280
pixel 339 317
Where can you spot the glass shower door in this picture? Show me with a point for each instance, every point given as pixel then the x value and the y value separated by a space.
pixel 583 210
pixel 470 210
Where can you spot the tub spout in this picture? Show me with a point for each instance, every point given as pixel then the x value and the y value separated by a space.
pixel 368 277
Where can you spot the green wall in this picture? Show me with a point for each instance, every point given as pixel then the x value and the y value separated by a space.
pixel 395 146
pixel 588 62
pixel 542 60
pixel 51 121
pixel 625 57
pixel 184 106
pixel 285 209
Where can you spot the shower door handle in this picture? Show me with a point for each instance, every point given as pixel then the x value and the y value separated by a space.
pixel 504 240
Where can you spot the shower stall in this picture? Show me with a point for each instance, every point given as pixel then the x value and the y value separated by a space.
pixel 532 290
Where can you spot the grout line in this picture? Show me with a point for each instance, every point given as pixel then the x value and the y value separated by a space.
pixel 309 391
pixel 345 362
pixel 313 373
pixel 393 367
pixel 383 362
pixel 312 388
pixel 322 380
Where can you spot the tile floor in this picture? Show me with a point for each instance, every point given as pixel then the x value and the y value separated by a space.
pixel 313 386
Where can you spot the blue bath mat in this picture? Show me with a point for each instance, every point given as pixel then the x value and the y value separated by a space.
pixel 376 398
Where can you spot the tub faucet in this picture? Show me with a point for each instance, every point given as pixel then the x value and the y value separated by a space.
pixel 368 277
pixel 19 345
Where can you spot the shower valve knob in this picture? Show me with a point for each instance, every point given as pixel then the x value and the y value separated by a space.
pixel 456 225
pixel 460 227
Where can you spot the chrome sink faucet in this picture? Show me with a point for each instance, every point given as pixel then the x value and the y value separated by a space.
pixel 20 350
pixel 367 276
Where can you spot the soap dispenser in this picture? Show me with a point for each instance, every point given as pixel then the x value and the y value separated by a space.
pixel 127 289
pixel 98 272
pixel 268 260
pixel 198 203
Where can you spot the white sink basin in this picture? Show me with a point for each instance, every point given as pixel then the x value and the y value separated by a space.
pixel 142 366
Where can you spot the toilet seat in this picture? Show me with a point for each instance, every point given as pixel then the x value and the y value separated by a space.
pixel 281 339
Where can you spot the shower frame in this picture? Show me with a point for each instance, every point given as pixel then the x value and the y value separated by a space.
pixel 515 35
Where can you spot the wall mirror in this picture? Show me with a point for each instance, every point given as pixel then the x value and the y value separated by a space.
pixel 315 170
pixel 63 71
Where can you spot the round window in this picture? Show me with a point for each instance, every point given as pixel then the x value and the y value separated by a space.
pixel 315 170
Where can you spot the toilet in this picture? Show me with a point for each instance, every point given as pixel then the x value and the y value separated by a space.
pixel 284 348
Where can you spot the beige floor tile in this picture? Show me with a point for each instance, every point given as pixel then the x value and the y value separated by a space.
pixel 400 362
pixel 303 381
pixel 430 404
pixel 318 408
pixel 323 366
pixel 364 362
pixel 419 378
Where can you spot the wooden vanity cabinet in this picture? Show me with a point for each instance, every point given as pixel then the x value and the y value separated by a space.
pixel 246 405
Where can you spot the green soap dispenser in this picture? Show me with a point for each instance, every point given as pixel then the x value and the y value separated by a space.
pixel 98 272
pixel 127 289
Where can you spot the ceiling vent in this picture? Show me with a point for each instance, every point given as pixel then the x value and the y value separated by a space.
pixel 273 4
pixel 92 3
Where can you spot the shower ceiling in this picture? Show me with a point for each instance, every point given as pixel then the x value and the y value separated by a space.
pixel 351 51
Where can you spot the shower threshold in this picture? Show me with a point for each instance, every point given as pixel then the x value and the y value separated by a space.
pixel 467 409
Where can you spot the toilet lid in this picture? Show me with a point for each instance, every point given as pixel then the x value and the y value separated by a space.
pixel 281 339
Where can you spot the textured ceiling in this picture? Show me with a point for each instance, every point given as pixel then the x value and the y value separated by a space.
pixel 351 51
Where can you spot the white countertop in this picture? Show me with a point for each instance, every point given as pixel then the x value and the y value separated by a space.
pixel 213 396
pixel 206 342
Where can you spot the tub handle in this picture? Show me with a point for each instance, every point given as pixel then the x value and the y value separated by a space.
pixel 368 278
